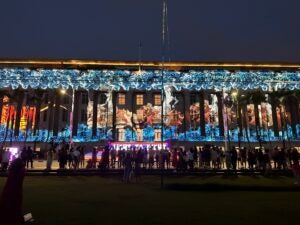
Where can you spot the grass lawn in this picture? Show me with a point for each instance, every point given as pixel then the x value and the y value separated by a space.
pixel 96 200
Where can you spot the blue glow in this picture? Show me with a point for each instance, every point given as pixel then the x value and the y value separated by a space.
pixel 85 135
pixel 147 80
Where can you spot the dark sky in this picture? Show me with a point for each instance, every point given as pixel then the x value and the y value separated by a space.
pixel 200 30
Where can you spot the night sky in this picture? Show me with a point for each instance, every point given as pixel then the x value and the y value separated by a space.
pixel 200 30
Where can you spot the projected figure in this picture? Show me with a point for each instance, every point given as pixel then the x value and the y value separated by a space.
pixel 170 101
pixel 108 102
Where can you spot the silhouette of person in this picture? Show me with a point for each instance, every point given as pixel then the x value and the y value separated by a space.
pixel 11 198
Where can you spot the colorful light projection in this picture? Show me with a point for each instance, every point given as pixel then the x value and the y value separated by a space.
pixel 8 117
pixel 137 145
pixel 145 122
pixel 148 80
pixel 27 118
pixel 104 112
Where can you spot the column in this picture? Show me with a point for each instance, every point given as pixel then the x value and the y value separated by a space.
pixel 293 107
pixel 1 105
pixel 186 111
pixel 37 117
pixel 114 102
pixel 19 95
pixel 95 110
pixel 202 114
pixel 220 113
pixel 75 113
pixel 274 117
pixel 50 111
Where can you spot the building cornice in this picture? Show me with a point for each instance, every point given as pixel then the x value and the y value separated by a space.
pixel 134 65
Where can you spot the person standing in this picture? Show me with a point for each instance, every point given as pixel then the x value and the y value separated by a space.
pixel 120 158
pixel 113 155
pixel 234 157
pixel 94 157
pixel 76 157
pixel 49 159
pixel 127 168
pixel 29 157
pixel 62 157
pixel 5 159
pixel 190 159
pixel 23 155
pixel 81 150
pixel 295 165
pixel 151 157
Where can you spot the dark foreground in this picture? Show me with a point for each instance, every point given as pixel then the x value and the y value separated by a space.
pixel 185 200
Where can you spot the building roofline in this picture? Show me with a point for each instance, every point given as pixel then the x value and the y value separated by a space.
pixel 134 65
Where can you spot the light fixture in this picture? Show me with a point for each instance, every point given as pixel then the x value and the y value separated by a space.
pixel 63 91
pixel 234 93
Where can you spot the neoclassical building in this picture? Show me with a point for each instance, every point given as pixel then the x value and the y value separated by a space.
pixel 99 101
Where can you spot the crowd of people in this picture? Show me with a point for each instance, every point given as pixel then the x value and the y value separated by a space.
pixel 67 155
pixel 5 156
pixel 26 154
pixel 207 157
pixel 179 159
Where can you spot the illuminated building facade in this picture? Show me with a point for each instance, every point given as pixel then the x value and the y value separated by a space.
pixel 202 102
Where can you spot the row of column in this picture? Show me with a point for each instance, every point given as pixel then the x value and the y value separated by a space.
pixel 55 100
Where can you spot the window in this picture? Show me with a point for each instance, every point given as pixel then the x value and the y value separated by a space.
pixel 139 135
pixel 193 99
pixel 84 98
pixel 157 99
pixel 45 116
pixel 121 134
pixel 139 99
pixel 102 98
pixel 65 115
pixel 83 115
pixel 157 135
pixel 121 99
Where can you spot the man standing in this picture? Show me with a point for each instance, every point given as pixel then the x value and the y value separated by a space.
pixel 233 158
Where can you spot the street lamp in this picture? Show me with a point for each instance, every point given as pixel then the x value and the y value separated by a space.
pixel 64 92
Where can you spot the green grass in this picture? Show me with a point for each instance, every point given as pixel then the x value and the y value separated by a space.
pixel 95 200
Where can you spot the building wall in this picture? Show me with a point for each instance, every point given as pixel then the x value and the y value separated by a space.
pixel 188 116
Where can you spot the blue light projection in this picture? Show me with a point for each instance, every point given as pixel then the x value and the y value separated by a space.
pixel 85 135
pixel 108 80
pixel 147 80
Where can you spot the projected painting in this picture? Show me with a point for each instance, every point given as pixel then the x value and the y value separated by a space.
pixel 181 120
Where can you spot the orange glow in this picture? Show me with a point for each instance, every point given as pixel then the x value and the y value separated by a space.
pixel 9 113
pixel 133 64
pixel 27 118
